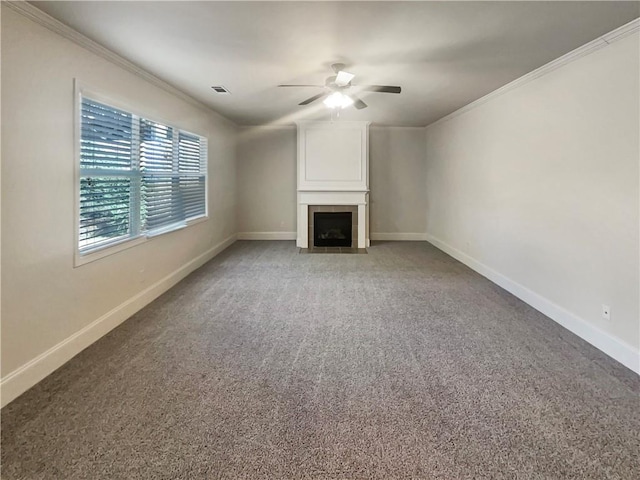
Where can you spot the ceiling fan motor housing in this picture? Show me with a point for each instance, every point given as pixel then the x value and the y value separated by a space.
pixel 337 67
pixel 330 82
pixel 341 81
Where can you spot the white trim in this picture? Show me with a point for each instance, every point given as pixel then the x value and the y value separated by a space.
pixel 600 42
pixel 397 236
pixel 603 341
pixel 38 16
pixel 80 259
pixel 26 376
pixel 267 236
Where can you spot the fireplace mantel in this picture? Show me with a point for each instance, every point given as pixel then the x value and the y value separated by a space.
pixel 333 169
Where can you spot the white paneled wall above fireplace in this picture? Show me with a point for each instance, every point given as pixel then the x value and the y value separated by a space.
pixel 333 169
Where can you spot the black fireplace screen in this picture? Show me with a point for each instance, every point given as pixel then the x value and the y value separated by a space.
pixel 332 229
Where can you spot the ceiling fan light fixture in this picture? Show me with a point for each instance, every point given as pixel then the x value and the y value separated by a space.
pixel 338 100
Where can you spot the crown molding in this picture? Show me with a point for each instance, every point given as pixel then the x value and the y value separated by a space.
pixel 623 31
pixel 377 126
pixel 35 14
pixel 268 127
pixel 600 42
pixel 38 16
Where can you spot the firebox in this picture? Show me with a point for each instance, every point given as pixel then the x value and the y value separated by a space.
pixel 332 229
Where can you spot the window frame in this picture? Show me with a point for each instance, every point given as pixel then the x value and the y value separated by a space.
pixel 138 236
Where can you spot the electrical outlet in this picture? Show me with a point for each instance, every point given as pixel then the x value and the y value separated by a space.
pixel 606 312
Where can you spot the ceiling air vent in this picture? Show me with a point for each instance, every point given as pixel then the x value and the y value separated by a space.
pixel 221 90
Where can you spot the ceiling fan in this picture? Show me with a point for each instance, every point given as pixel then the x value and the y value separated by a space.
pixel 336 87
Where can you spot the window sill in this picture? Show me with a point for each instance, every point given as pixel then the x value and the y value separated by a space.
pixel 88 257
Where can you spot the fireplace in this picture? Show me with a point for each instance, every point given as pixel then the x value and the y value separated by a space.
pixel 332 229
pixel 333 176
pixel 337 229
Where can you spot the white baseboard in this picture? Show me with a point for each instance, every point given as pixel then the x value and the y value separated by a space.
pixel 26 376
pixel 267 236
pixel 412 237
pixel 392 237
pixel 603 341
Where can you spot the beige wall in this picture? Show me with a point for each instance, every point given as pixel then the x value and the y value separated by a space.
pixel 45 300
pixel 267 180
pixel 540 186
pixel 397 179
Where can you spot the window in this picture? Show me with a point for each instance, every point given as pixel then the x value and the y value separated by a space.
pixel 138 178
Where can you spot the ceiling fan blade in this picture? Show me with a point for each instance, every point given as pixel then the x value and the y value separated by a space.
pixel 357 103
pixel 319 86
pixel 343 78
pixel 313 99
pixel 380 88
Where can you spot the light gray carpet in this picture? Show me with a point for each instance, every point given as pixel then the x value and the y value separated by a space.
pixel 265 363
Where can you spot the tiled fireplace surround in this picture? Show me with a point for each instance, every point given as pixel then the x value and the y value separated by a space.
pixel 354 202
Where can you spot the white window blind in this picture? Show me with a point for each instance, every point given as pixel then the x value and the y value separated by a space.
pixel 107 159
pixel 157 163
pixel 137 176
pixel 192 165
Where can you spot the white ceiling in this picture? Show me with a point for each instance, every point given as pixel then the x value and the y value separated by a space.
pixel 443 54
